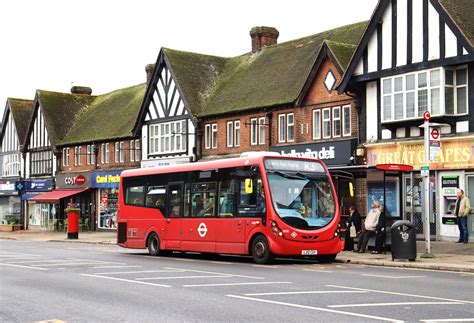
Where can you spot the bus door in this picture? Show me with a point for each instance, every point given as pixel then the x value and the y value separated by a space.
pixel 174 214
pixel 199 229
pixel 239 205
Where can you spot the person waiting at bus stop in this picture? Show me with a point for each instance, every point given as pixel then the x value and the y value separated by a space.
pixel 353 221
pixel 380 230
pixel 371 222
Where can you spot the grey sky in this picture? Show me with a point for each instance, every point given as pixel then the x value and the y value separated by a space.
pixel 52 44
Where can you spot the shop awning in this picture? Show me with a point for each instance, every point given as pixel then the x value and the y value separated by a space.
pixel 25 197
pixel 56 195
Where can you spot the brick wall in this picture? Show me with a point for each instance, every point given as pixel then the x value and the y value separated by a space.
pixel 127 162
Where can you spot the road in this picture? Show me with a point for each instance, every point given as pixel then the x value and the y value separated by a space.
pixel 44 281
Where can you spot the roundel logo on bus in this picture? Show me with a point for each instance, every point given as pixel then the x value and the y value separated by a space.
pixel 202 230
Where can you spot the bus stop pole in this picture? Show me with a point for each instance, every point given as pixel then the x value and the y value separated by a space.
pixel 426 187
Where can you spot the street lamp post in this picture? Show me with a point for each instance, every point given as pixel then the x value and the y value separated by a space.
pixel 425 173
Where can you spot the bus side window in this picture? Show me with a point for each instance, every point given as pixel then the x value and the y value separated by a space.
pixel 156 198
pixel 174 201
pixel 228 189
pixel 204 200
pixel 134 195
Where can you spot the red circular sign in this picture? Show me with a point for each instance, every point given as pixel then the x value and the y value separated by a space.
pixel 80 180
pixel 435 133
pixel 394 167
pixel 426 116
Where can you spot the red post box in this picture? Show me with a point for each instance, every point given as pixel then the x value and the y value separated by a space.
pixel 72 221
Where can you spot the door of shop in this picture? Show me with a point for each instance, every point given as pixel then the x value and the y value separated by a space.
pixel 413 203
pixel 470 195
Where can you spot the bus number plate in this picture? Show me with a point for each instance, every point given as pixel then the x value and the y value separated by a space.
pixel 309 252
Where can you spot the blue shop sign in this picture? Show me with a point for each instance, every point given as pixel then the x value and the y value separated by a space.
pixel 36 185
pixel 105 179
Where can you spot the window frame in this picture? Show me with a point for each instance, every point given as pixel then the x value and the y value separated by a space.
pixel 261 131
pixel 230 134
pixel 344 133
pixel 328 120
pixel 318 135
pixel 253 131
pixel 207 136
pixel 214 136
pixel 288 125
pixel 334 119
pixel 282 126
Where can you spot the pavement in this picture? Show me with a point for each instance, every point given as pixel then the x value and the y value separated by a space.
pixel 447 256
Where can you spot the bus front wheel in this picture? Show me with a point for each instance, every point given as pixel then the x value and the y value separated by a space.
pixel 261 251
pixel 153 244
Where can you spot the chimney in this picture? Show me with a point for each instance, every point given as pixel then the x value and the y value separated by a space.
pixel 263 36
pixel 149 72
pixel 84 90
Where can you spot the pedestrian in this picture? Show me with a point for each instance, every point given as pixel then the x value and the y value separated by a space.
pixel 462 211
pixel 354 223
pixel 371 221
pixel 380 230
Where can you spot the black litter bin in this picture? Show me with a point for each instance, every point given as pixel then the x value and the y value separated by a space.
pixel 403 240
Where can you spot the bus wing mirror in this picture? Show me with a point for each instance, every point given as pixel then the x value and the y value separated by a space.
pixel 351 189
pixel 248 186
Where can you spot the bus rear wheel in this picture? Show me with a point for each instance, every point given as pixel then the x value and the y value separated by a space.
pixel 260 251
pixel 153 244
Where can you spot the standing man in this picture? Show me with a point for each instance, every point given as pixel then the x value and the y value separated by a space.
pixel 462 210
pixel 371 222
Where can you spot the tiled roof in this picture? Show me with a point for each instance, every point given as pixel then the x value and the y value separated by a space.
pixel 274 76
pixel 107 117
pixel 462 13
pixel 21 111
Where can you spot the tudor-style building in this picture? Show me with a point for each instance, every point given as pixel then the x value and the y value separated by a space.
pixel 16 115
pixel 165 124
pixel 76 147
pixel 417 56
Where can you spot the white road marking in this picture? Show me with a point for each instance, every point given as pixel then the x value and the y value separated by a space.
pixel 152 257
pixel 183 259
pixel 235 284
pixel 119 266
pixel 35 261
pixel 395 304
pixel 139 272
pixel 98 261
pixel 215 273
pixel 319 270
pixel 392 277
pixel 181 277
pixel 266 266
pixel 308 292
pixel 401 294
pixel 66 264
pixel 29 267
pixel 126 280
pixel 315 308
pixel 449 320
pixel 21 254
pixel 221 263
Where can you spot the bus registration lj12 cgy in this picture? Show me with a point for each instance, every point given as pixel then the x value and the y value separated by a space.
pixel 263 206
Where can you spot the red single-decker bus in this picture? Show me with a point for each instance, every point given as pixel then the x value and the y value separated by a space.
pixel 263 206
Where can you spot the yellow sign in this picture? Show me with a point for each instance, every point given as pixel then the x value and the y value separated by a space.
pixel 455 154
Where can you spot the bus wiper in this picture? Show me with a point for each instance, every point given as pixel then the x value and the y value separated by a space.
pixel 289 176
pixel 308 177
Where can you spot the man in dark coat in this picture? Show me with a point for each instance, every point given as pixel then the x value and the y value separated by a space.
pixel 380 235
pixel 356 221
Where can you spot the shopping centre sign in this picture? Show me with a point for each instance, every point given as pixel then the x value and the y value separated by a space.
pixel 454 154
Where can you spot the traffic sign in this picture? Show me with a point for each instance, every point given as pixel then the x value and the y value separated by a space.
pixel 434 134
pixel 425 171
pixel 426 116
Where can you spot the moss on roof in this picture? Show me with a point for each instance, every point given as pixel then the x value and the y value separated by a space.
pixel 274 76
pixel 462 13
pixel 342 52
pixel 109 116
pixel 61 111
pixel 21 111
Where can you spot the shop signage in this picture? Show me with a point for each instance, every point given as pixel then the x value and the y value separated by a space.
pixel 106 179
pixel 333 153
pixel 454 154
pixel 394 167
pixel 160 162
pixel 6 185
pixel 70 180
pixel 38 185
pixel 450 181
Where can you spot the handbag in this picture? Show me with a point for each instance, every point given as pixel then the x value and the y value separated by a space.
pixel 352 231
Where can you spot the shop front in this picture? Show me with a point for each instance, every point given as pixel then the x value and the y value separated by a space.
pixel 106 186
pixel 85 199
pixel 454 168
pixel 38 215
pixel 9 201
